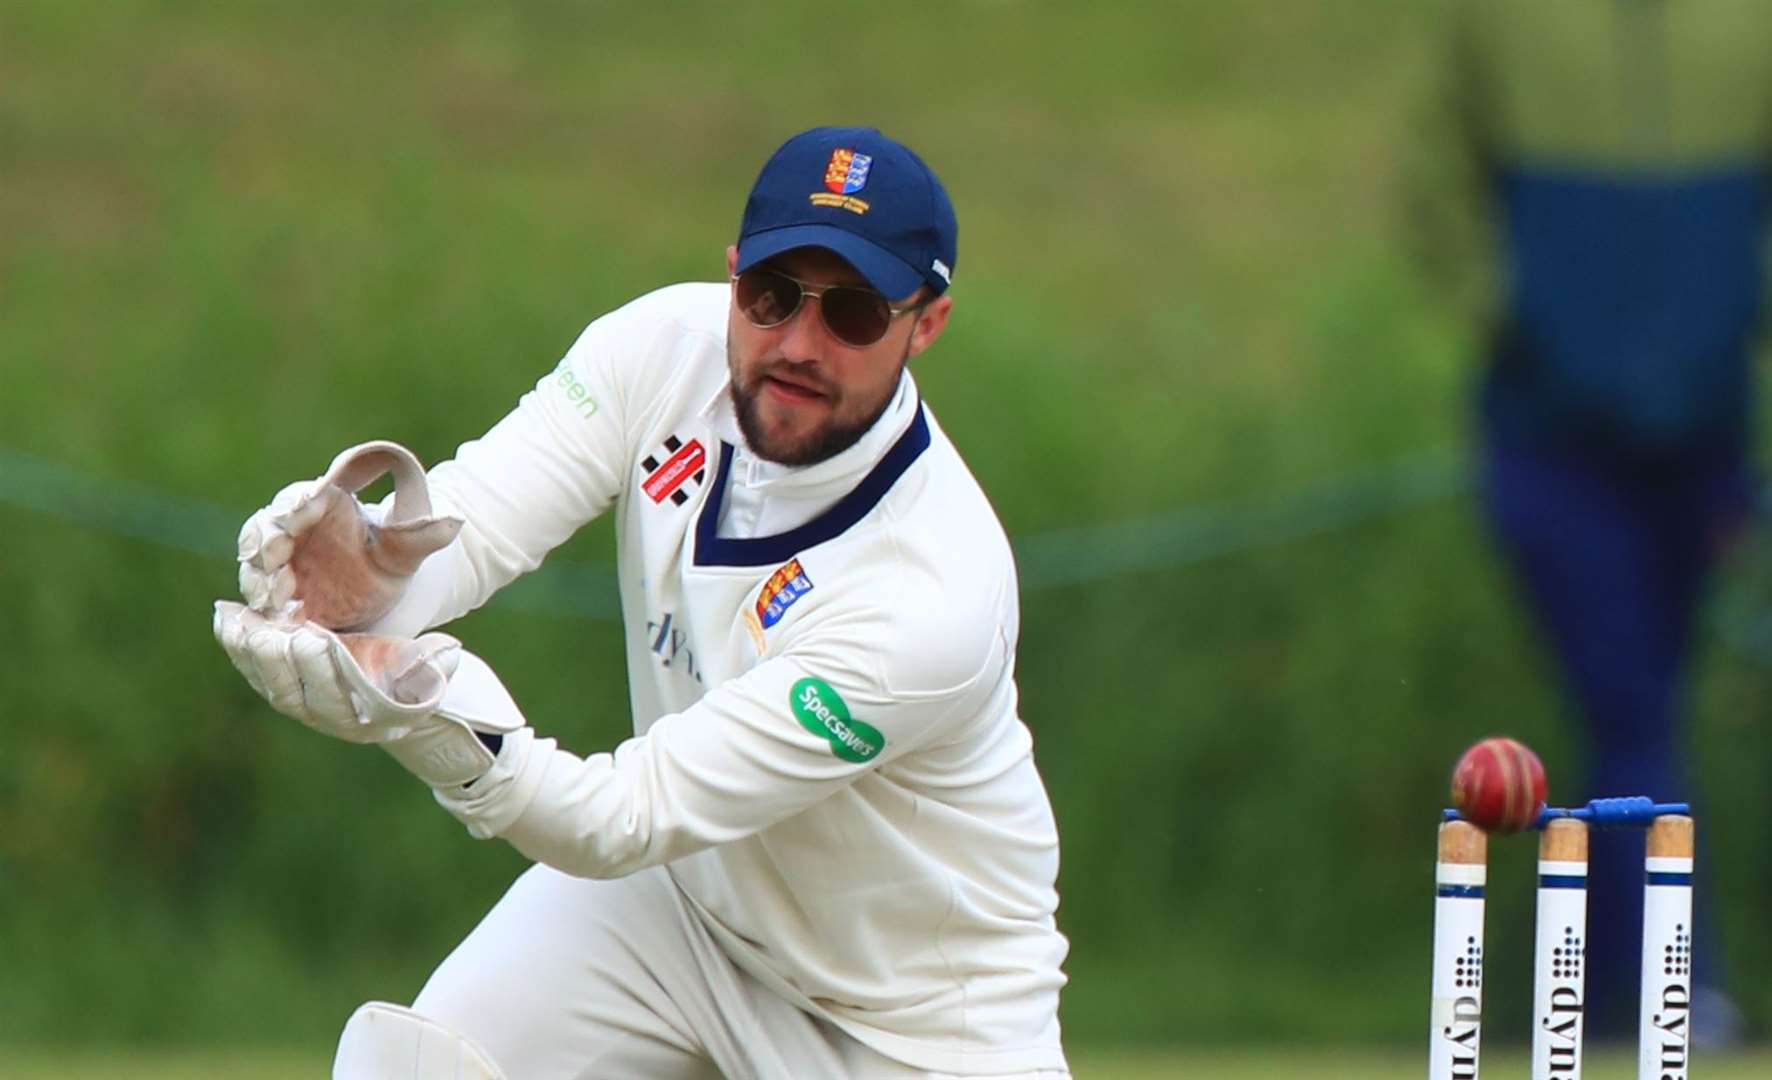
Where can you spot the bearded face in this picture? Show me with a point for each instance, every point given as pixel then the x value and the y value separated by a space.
pixel 803 395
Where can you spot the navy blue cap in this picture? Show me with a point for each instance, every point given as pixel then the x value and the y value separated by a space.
pixel 862 195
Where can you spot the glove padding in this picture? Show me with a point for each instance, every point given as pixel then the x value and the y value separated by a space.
pixel 315 553
pixel 422 699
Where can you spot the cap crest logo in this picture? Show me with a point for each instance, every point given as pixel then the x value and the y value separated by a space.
pixel 844 175
pixel 847 172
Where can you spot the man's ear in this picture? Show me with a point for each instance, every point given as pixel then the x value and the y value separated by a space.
pixel 931 321
pixel 731 258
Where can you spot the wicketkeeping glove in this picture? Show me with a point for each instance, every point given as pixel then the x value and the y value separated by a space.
pixel 316 553
pixel 425 700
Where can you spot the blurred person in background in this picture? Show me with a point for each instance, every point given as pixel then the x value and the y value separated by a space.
pixel 1591 187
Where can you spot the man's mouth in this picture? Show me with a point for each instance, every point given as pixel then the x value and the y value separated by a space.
pixel 791 389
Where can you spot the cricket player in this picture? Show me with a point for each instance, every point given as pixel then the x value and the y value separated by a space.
pixel 825 851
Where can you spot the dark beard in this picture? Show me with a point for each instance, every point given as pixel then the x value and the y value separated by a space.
pixel 822 446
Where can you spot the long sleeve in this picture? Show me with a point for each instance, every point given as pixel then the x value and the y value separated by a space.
pixel 552 465
pixel 750 753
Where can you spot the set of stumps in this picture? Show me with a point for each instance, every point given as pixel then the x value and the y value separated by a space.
pixel 1560 952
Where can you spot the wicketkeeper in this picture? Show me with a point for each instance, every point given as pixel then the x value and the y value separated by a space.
pixel 825 851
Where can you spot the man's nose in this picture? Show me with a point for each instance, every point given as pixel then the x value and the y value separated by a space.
pixel 805 337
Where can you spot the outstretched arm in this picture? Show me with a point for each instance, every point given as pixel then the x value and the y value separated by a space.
pixel 447 540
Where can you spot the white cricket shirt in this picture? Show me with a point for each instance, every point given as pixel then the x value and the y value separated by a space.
pixel 826 748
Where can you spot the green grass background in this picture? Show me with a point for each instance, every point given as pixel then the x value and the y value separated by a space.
pixel 235 238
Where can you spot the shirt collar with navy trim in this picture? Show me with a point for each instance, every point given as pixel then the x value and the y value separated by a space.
pixel 852 482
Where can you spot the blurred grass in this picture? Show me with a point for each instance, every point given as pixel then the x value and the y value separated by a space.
pixel 235 238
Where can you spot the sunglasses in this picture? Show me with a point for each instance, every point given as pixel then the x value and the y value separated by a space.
pixel 854 314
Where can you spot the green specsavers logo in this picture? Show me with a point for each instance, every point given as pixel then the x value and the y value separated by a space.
pixel 822 712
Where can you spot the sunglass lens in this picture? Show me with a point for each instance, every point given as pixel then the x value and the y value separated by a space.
pixel 767 298
pixel 857 317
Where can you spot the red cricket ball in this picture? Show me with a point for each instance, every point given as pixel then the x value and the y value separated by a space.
pixel 1499 785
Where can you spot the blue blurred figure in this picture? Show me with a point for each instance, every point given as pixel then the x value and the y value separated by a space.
pixel 1612 157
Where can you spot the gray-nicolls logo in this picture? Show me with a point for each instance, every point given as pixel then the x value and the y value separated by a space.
pixel 670 644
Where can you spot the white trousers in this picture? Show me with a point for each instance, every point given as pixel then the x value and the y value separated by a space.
pixel 573 979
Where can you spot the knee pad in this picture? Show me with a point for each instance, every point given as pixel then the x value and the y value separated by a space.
pixel 391 1042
